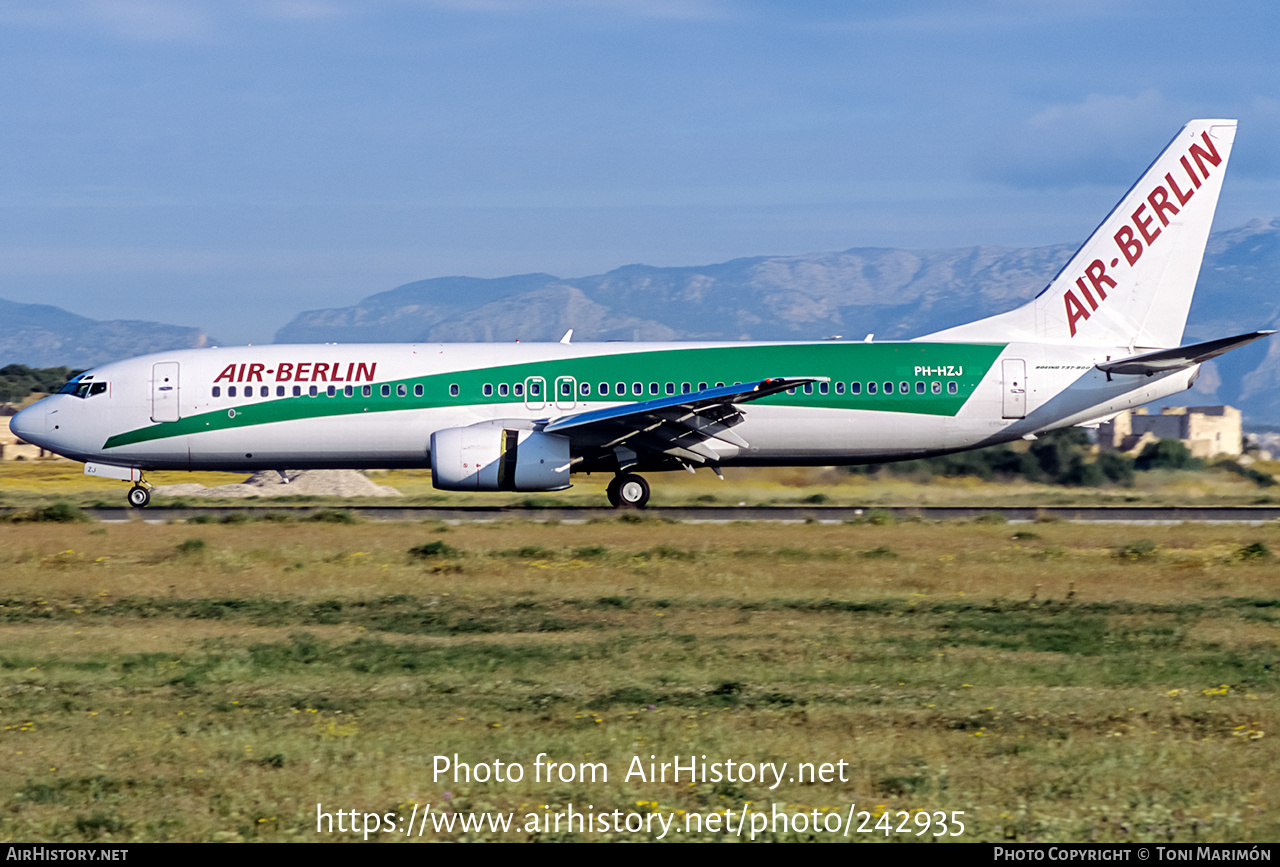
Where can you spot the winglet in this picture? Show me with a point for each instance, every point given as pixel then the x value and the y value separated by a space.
pixel 568 336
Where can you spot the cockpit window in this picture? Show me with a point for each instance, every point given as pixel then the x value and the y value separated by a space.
pixel 82 388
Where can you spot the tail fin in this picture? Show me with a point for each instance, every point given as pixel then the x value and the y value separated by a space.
pixel 1132 281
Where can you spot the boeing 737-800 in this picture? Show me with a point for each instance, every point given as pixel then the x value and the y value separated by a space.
pixel 1102 337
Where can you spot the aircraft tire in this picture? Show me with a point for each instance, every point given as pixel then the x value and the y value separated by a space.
pixel 632 491
pixel 139 497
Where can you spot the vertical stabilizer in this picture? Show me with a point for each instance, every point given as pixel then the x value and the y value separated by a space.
pixel 1131 283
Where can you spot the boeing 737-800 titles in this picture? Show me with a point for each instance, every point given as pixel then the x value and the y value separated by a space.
pixel 1102 337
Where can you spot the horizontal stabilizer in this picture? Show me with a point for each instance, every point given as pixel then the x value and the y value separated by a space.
pixel 1183 356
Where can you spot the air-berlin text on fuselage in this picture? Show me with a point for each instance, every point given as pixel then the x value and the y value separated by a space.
pixel 299 371
pixel 1163 201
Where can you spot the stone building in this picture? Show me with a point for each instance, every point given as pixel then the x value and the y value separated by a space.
pixel 1208 431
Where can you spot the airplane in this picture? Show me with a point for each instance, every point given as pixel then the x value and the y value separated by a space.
pixel 1102 337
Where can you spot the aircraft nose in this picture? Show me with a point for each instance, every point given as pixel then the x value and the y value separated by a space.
pixel 29 424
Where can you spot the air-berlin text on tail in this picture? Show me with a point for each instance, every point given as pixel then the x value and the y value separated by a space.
pixel 299 371
pixel 1137 235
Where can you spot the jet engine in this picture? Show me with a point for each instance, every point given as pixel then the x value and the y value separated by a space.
pixel 499 457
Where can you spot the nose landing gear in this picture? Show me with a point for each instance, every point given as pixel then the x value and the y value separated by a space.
pixel 628 491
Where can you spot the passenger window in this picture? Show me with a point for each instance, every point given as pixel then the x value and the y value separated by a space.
pixel 366 391
pixel 637 389
pixel 719 385
pixel 503 389
pixel 808 388
pixel 280 390
pixel 386 390
pixel 585 389
pixel 331 391
pixel 453 390
pixel 791 391
pixel 685 388
pixel 871 388
pixel 487 391
pixel 217 391
pixel 603 389
pixel 951 388
pixel 313 391
pixel 566 389
pixel 297 391
pixel 417 390
pixel 839 388
pixel 671 388
pixel 702 386
pixel 518 389
pixel 888 388
pixel 904 388
pixel 620 389
pixel 348 391
pixel 402 390
pixel 264 391
pixel 231 391
pixel 823 388
pixel 919 388
pixel 937 388
pixel 855 388
pixel 653 388
pixel 535 389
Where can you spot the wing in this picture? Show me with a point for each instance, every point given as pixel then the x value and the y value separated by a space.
pixel 686 428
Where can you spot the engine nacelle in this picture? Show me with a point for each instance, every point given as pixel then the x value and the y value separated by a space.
pixel 493 457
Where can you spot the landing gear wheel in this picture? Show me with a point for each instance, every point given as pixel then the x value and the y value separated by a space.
pixel 139 497
pixel 628 491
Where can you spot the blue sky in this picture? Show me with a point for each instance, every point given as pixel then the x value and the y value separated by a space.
pixel 227 163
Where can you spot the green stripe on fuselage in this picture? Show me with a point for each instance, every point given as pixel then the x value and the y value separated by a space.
pixel 962 363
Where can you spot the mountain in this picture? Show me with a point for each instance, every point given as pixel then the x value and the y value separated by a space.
pixel 39 335
pixel 895 293
pixel 891 293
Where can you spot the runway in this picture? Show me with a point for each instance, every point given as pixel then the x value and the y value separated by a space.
pixel 724 514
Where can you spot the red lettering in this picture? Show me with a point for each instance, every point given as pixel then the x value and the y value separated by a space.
pixel 255 373
pixel 351 365
pixel 1129 245
pixel 1182 200
pixel 1075 311
pixel 240 375
pixel 365 371
pixel 304 371
pixel 1211 154
pixel 337 368
pixel 1195 179
pixel 228 373
pixel 1143 224
pixel 1097 274
pixel 1159 201
pixel 284 371
pixel 1084 290
pixel 321 372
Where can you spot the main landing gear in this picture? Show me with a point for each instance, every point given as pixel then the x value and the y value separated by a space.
pixel 140 495
pixel 629 491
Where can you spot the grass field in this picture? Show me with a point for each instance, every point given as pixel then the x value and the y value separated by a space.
pixel 24 483
pixel 1055 682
